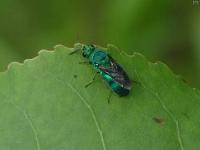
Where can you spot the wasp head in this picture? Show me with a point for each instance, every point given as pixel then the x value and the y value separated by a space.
pixel 87 50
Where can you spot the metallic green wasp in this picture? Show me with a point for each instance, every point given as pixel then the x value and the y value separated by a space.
pixel 108 68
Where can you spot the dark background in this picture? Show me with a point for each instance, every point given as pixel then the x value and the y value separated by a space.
pixel 168 31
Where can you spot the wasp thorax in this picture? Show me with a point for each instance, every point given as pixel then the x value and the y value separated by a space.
pixel 101 58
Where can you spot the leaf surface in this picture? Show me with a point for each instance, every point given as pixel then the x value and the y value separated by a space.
pixel 45 106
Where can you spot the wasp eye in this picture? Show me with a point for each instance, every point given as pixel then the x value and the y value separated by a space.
pixel 92 46
pixel 83 54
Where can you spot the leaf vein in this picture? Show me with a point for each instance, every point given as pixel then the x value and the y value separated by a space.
pixel 25 114
pixel 33 129
pixel 164 107
pixel 174 119
pixel 90 110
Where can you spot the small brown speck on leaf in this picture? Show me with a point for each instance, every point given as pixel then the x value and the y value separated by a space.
pixel 159 120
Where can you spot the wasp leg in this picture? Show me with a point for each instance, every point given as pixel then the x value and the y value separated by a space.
pixel 91 80
pixel 109 96
pixel 137 82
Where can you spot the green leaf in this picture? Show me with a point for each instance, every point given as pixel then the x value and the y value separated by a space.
pixel 45 106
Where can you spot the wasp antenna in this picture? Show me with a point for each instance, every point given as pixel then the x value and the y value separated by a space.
pixel 77 47
pixel 74 51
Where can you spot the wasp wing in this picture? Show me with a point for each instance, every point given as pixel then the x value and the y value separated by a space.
pixel 117 73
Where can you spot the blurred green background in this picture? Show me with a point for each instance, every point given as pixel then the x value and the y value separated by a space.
pixel 168 31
